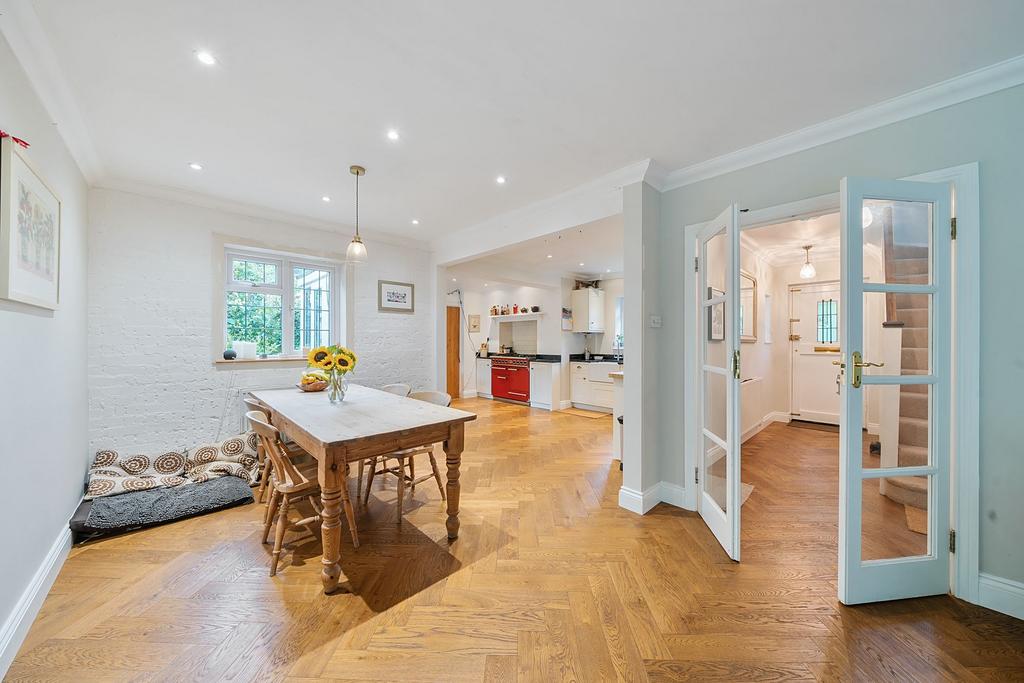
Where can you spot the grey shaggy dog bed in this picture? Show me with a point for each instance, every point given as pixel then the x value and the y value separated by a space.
pixel 113 514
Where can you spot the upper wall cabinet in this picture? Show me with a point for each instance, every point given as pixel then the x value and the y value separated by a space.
pixel 588 310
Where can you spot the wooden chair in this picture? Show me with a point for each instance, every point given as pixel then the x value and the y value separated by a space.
pixel 405 459
pixel 289 485
pixel 398 388
pixel 292 450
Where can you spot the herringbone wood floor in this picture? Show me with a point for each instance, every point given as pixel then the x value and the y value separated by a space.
pixel 549 581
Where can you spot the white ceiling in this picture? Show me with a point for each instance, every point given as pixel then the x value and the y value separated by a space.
pixel 597 245
pixel 549 94
pixel 782 244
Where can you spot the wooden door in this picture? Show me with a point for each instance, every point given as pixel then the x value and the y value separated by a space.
pixel 454 350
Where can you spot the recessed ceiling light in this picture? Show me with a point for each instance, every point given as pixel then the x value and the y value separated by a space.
pixel 581 264
pixel 549 256
pixel 608 270
pixel 206 58
pixel 195 166
pixel 326 198
pixel 393 134
pixel 500 180
pixel 453 280
pixel 485 284
pixel 415 221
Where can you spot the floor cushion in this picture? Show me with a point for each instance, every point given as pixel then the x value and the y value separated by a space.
pixel 138 509
pixel 112 474
pixel 234 457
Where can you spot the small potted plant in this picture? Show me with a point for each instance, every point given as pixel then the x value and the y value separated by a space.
pixel 335 362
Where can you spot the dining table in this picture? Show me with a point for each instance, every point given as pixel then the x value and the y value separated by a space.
pixel 366 423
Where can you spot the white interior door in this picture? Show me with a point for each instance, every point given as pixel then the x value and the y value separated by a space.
pixel 895 338
pixel 718 359
pixel 814 341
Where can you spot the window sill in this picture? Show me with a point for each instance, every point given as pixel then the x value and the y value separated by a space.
pixel 292 360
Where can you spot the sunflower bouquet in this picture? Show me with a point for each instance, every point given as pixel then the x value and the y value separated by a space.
pixel 333 362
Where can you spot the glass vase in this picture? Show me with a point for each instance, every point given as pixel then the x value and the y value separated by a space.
pixel 337 384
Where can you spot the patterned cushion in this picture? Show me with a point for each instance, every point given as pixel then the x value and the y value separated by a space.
pixel 234 457
pixel 111 474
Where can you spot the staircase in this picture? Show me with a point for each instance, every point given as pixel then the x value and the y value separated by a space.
pixel 909 265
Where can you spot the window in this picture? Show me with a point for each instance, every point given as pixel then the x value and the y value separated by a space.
pixel 617 342
pixel 285 305
pixel 828 322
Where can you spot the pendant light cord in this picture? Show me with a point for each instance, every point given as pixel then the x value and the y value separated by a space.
pixel 357 205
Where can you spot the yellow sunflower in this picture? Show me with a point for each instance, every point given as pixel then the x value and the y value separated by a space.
pixel 342 362
pixel 317 356
pixel 349 358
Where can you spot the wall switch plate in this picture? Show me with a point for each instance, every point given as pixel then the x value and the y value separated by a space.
pixel 655 321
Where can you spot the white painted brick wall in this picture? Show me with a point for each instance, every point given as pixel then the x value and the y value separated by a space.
pixel 152 382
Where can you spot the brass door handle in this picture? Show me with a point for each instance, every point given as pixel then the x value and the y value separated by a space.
pixel 858 363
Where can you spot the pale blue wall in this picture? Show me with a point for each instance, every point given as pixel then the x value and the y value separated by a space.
pixel 989 130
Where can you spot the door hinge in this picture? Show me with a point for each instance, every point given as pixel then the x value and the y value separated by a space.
pixel 736 364
pixel 952 540
pixel 952 227
pixel 696 264
pixel 696 475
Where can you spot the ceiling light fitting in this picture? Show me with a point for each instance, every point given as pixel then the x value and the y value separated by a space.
pixel 206 58
pixel 195 166
pixel 807 271
pixel 500 180
pixel 356 252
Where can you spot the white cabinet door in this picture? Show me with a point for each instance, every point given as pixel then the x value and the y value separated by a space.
pixel 483 377
pixel 540 384
pixel 588 310
pixel 579 387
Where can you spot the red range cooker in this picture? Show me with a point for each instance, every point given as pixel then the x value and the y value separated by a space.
pixel 510 379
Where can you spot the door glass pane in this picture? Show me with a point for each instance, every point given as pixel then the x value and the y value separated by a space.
pixel 897 332
pixel 897 241
pixel 716 255
pixel 894 517
pixel 714 403
pixel 714 472
pixel 897 425
pixel 312 308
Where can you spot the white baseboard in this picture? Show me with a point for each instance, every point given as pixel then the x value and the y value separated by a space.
pixel 468 394
pixel 563 405
pixel 673 494
pixel 641 502
pixel 1002 595
pixel 590 407
pixel 776 416
pixel 20 619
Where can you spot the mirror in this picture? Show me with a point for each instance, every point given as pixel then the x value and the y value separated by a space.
pixel 748 307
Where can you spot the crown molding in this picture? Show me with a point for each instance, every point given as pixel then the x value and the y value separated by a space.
pixel 955 90
pixel 205 201
pixel 24 33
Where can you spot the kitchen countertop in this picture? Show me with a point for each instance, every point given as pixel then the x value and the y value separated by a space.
pixel 616 375
pixel 578 358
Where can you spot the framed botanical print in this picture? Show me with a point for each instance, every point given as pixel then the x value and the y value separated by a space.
pixel 396 297
pixel 29 232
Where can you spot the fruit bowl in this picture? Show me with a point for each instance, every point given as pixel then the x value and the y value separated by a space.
pixel 313 386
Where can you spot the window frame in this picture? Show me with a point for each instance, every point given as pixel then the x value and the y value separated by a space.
pixel 285 263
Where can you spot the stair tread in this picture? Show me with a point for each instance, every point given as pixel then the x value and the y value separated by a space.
pixel 918 484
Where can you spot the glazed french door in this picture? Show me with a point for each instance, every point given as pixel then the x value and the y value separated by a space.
pixel 717 475
pixel 895 304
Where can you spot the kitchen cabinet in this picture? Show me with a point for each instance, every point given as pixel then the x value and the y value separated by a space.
pixel 590 385
pixel 546 385
pixel 483 377
pixel 588 310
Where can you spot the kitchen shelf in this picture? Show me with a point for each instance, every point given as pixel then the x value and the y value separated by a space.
pixel 515 316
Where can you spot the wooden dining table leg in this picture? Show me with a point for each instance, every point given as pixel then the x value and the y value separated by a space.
pixel 453 458
pixel 331 473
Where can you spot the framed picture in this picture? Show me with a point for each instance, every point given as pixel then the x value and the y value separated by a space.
pixel 395 297
pixel 716 317
pixel 474 323
pixel 29 232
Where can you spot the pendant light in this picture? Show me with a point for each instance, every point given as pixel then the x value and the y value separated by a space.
pixel 807 271
pixel 356 252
